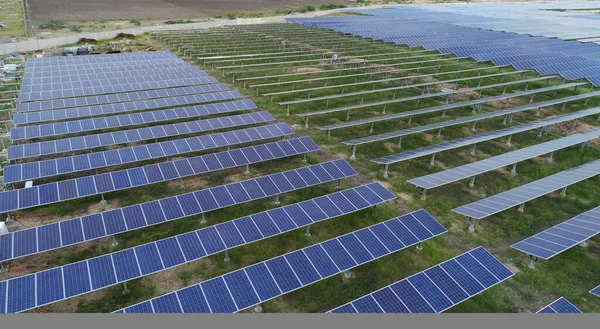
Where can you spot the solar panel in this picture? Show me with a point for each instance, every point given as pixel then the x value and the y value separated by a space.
pixel 472 169
pixel 98 58
pixel 443 107
pixel 518 196
pixel 165 171
pixel 134 135
pixel 127 264
pixel 390 80
pixel 468 119
pixel 115 157
pixel 138 106
pixel 433 149
pixel 77 230
pixel 596 291
pixel 57 83
pixel 358 93
pixel 55 68
pixel 157 95
pixel 230 293
pixel 561 305
pixel 135 118
pixel 86 89
pixel 33 80
pixel 563 236
pixel 435 289
pixel 404 99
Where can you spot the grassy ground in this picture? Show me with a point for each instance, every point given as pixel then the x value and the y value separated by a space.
pixel 12 15
pixel 570 274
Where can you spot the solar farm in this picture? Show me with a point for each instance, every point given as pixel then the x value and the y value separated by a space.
pixel 358 164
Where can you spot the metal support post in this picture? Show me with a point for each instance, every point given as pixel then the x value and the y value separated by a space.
pixel 277 199
pixel 473 149
pixel 471 225
pixel 247 172
pixel 125 290
pixel 532 261
pixel 307 233
pixel 522 207
pixel 353 156
pixel 472 181
pixel 432 162
pixel 472 128
pixel 227 259
pixel 203 219
pixel 584 244
pixel 258 309
pixel 550 158
pixel 385 171
pixel 371 130
pixel 563 192
pixel 420 246
pixel 423 194
pixel 304 157
pixel 514 168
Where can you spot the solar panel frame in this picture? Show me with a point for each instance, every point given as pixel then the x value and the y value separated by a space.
pixel 559 238
pixel 281 269
pixel 561 305
pixel 127 264
pixel 98 160
pixel 115 86
pixel 435 148
pixel 423 292
pixel 489 164
pixel 91 227
pixel 530 191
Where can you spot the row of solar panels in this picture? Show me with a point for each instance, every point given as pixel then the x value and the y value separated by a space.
pixel 444 37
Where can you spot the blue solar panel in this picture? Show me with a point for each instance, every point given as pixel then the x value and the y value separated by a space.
pixel 93 226
pixel 104 183
pixel 561 237
pixel 116 108
pixel 88 89
pixel 232 292
pixel 437 288
pixel 53 167
pixel 150 96
pixel 120 121
pixel 152 257
pixel 596 291
pixel 561 305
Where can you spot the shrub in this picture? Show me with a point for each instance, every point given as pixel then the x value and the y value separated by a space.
pixel 135 22
pixel 306 9
pixel 75 28
pixel 328 6
pixel 218 16
pixel 231 16
pixel 53 25
pixel 283 11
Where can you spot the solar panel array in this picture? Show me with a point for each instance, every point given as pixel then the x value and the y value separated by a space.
pixel 124 120
pixel 142 134
pixel 572 59
pixel 150 174
pixel 138 96
pixel 266 280
pixel 520 195
pixel 468 119
pixel 56 235
pixel 496 162
pixel 433 149
pixel 596 291
pixel 78 278
pixel 114 108
pixel 98 160
pixel 561 305
pixel 563 236
pixel 435 289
